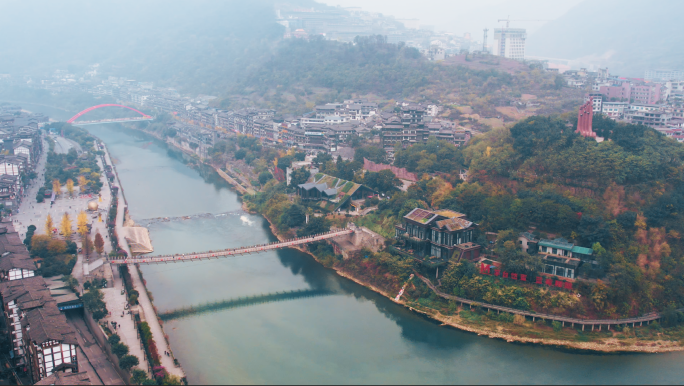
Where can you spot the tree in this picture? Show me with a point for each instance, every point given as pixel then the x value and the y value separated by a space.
pixel 299 176
pixel 56 187
pixel 371 153
pixel 49 225
pixel 93 302
pixel 56 247
pixel 322 158
pixel 559 82
pixel 65 226
pixel 87 245
pixel 240 154
pixel 39 245
pixel 70 187
pixel 82 223
pixel 264 177
pixel 284 162
pixel 138 377
pixel 384 181
pixel 99 243
pixel 29 235
pixel 315 225
pixel 300 156
pixel 82 181
pixel 128 361
pixel 119 349
pixel 294 216
pixel 114 338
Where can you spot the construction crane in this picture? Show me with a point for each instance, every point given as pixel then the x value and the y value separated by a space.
pixel 508 20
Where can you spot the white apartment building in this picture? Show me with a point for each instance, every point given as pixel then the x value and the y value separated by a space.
pixel 664 75
pixel 614 109
pixel 510 43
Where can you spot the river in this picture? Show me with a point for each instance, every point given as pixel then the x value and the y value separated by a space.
pixel 351 335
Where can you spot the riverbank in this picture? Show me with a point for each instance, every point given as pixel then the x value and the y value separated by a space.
pixel 149 312
pixel 511 332
pixel 527 332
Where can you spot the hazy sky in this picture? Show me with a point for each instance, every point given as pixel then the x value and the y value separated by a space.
pixel 466 15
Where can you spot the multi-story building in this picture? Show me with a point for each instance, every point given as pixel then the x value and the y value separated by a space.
pixel 42 341
pixel 510 43
pixel 436 237
pixel 646 93
pixel 562 258
pixel 664 75
pixel 655 118
pixel 617 92
pixel 596 101
pixel 615 110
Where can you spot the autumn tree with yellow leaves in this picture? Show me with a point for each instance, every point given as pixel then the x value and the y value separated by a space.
pixel 70 187
pixel 56 187
pixel 82 223
pixel 65 226
pixel 49 225
pixel 82 182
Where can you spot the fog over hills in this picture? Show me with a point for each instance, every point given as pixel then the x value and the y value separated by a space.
pixel 628 36
pixel 166 41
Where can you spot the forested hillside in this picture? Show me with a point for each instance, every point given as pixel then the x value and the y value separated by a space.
pixel 302 73
pixel 624 197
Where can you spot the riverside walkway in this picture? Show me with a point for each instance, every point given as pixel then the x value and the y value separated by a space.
pixel 232 252
pixel 563 319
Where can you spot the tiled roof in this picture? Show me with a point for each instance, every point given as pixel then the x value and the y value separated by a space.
pixel 27 293
pixel 48 323
pixel 60 378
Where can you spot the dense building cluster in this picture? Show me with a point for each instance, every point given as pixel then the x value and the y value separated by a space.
pixel 43 342
pixel 21 149
pixel 655 101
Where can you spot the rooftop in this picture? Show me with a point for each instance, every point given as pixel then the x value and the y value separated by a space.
pixel 421 215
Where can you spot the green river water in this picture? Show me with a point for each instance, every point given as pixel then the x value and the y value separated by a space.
pixel 351 335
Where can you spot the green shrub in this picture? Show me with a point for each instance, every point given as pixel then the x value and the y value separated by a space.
pixel 557 326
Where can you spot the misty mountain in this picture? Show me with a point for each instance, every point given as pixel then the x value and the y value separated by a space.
pixel 628 36
pixel 201 45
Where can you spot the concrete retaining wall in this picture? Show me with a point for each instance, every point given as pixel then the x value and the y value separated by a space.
pixel 101 339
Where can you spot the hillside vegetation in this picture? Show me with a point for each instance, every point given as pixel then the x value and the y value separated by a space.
pixel 623 197
pixel 303 73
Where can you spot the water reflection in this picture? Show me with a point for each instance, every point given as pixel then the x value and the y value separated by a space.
pixel 356 336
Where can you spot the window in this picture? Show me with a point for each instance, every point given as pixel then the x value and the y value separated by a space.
pixel 554 251
pixel 560 271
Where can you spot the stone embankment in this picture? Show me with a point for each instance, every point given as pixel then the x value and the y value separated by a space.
pixel 145 304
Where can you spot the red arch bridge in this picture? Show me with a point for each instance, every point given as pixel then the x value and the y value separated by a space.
pixel 143 117
pixel 232 252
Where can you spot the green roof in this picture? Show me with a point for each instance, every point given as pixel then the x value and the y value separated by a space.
pixel 557 243
pixel 582 250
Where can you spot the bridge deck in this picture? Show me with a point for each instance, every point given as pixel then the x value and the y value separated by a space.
pixel 112 120
pixel 232 252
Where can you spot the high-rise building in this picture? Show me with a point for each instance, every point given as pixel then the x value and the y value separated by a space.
pixel 510 42
pixel 664 75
